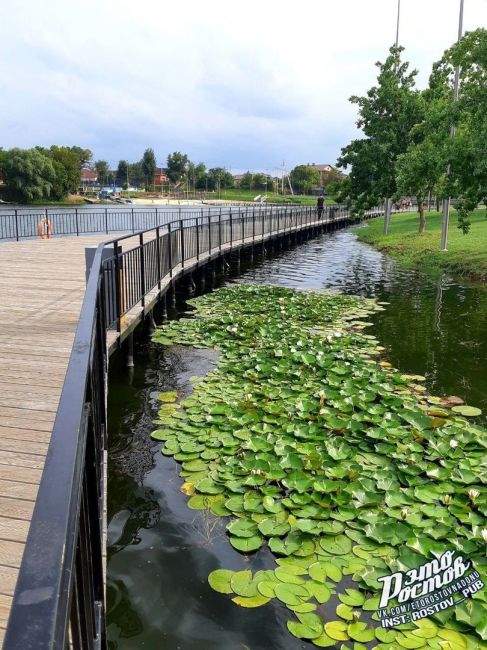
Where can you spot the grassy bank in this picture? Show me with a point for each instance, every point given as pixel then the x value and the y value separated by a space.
pixel 249 195
pixel 467 254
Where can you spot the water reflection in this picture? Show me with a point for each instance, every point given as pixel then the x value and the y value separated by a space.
pixel 161 552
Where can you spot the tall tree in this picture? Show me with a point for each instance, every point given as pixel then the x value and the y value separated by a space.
pixel 199 176
pixel 149 166
pixel 177 165
pixel 466 180
pixel 72 160
pixel 387 113
pixel 101 167
pixel 123 174
pixel 29 174
pixel 304 177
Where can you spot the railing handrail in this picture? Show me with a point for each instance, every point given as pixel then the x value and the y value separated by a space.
pixel 54 575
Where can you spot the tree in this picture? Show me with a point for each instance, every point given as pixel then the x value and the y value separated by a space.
pixel 262 181
pixel 418 172
pixel 218 177
pixel 60 181
pixel 466 180
pixel 29 175
pixel 177 164
pixel 304 177
pixel 123 174
pixel 136 174
pixel 84 155
pixel 246 182
pixel 101 167
pixel 199 176
pixel 149 166
pixel 387 113
pixel 72 160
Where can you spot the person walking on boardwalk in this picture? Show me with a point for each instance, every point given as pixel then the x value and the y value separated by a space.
pixel 319 205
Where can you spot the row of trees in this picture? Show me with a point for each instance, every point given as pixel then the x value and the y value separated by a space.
pixel 408 149
pixel 179 168
pixel 41 173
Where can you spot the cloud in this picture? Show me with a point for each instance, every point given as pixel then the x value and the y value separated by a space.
pixel 231 84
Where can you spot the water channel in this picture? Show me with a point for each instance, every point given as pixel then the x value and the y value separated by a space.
pixel 160 552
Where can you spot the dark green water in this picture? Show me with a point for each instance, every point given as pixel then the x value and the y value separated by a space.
pixel 160 552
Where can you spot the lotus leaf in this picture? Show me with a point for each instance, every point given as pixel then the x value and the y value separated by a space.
pixel 360 632
pixel 220 579
pixel 337 630
pixel 252 601
pixel 340 465
pixel 291 594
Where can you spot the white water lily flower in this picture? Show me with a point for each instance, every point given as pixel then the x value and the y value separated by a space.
pixel 299 344
pixel 453 444
pixel 293 349
pixel 473 494
pixel 447 499
pixel 484 534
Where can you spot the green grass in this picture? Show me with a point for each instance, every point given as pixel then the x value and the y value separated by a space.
pixel 467 254
pixel 238 194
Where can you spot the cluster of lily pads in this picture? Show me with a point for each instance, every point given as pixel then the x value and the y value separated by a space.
pixel 344 467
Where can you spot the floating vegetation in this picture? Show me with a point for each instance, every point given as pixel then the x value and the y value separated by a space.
pixel 344 467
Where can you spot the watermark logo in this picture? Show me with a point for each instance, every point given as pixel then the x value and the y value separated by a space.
pixel 430 588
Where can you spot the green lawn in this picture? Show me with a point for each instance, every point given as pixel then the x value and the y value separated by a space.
pixel 249 195
pixel 467 254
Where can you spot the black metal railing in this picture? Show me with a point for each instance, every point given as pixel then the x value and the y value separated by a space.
pixel 59 597
pixel 29 223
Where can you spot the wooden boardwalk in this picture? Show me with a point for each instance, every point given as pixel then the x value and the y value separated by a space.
pixel 42 284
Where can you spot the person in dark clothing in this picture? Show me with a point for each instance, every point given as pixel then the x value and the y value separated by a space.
pixel 319 205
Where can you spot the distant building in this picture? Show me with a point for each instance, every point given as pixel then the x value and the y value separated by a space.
pixel 237 178
pixel 328 174
pixel 161 177
pixel 88 176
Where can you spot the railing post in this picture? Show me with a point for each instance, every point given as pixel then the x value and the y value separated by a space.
pixel 133 220
pixel 209 234
pixel 242 221
pixel 106 220
pixel 253 224
pixel 220 230
pixel 169 249
pixel 231 229
pixel 278 220
pixel 182 241
pixel 197 240
pixel 118 288
pixel 16 225
pixel 158 249
pixel 76 220
pixel 270 223
pixel 142 268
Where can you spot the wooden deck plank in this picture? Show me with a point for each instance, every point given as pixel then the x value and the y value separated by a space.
pixel 38 322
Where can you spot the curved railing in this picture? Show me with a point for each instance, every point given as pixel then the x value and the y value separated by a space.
pixel 59 597
pixel 23 223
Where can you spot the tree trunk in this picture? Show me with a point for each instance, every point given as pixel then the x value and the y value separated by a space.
pixel 422 216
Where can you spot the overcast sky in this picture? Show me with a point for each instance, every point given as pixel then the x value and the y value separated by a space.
pixel 245 85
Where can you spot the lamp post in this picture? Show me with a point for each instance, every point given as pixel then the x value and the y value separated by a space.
pixel 388 200
pixel 456 86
